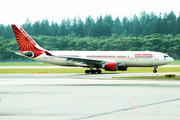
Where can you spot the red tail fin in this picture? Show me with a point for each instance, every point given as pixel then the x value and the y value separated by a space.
pixel 25 42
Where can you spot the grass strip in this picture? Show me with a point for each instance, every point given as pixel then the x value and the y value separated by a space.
pixel 46 64
pixel 46 70
pixel 26 64
pixel 177 62
pixel 82 70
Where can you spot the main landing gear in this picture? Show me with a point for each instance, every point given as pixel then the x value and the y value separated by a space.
pixel 155 71
pixel 93 71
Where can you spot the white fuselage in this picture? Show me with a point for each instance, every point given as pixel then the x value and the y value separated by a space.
pixel 126 58
pixel 108 60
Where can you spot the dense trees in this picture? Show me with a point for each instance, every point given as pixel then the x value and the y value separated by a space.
pixel 145 24
pixel 146 32
pixel 156 42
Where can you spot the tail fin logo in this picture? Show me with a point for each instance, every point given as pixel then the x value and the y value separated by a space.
pixel 27 36
pixel 26 43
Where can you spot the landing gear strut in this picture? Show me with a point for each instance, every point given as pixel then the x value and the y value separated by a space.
pixel 155 71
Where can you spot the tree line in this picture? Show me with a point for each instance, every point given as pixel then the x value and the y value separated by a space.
pixel 156 42
pixel 147 32
pixel 145 24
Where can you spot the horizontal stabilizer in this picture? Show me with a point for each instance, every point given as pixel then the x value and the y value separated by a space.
pixel 27 54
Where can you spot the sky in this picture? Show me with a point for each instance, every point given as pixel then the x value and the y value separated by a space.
pixel 17 11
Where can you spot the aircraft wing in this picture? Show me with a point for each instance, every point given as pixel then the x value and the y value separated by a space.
pixel 87 60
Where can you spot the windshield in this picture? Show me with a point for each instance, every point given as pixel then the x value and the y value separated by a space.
pixel 166 56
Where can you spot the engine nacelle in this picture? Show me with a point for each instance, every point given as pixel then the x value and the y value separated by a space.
pixel 110 66
pixel 122 68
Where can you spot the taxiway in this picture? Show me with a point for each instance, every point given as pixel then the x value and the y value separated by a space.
pixel 92 97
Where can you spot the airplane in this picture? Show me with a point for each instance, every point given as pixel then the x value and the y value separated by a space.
pixel 108 60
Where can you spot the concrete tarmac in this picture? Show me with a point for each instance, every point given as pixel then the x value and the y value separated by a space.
pixel 92 97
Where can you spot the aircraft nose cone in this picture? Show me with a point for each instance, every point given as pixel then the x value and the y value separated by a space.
pixel 170 59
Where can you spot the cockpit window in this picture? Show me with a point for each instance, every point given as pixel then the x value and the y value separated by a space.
pixel 166 56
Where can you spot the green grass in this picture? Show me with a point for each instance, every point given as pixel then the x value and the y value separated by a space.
pixel 175 63
pixel 26 64
pixel 46 64
pixel 81 70
pixel 47 70
pixel 150 69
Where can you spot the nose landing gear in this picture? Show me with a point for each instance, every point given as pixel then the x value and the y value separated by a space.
pixel 155 71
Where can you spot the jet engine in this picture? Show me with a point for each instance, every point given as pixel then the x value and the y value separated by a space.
pixel 122 68
pixel 110 66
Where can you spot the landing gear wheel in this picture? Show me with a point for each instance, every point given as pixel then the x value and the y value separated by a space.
pixel 87 71
pixel 154 71
pixel 93 71
pixel 99 71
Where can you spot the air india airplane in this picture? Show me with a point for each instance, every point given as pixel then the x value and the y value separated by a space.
pixel 95 60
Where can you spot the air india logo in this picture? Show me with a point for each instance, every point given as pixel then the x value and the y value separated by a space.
pixel 25 42
pixel 27 36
